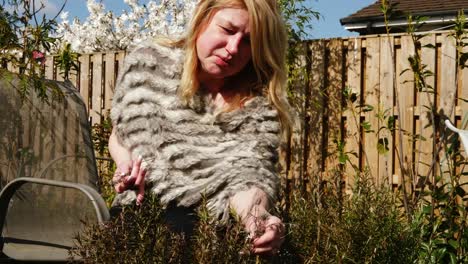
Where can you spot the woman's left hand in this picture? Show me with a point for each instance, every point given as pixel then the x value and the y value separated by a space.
pixel 267 231
pixel 268 234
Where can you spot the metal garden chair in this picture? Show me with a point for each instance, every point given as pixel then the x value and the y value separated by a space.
pixel 48 175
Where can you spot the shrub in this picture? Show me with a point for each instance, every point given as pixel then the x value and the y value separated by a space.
pixel 140 234
pixel 365 228
pixel 136 235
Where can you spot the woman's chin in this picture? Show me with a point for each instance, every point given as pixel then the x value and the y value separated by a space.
pixel 216 73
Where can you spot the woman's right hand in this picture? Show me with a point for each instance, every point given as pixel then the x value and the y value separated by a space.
pixel 130 175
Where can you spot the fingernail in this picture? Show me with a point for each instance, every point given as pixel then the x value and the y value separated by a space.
pixel 140 158
pixel 140 198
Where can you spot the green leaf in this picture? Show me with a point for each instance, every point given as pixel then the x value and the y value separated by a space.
pixel 391 122
pixel 367 108
pixel 460 191
pixel 453 258
pixel 427 209
pixel 382 146
pixel 366 126
pixel 453 243
pixel 343 158
pixel 431 46
pixel 402 72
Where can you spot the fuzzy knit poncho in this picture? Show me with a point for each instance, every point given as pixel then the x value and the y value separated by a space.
pixel 190 151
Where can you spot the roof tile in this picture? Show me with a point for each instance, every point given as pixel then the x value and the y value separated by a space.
pixel 415 7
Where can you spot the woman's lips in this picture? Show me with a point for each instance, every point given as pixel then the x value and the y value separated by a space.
pixel 220 61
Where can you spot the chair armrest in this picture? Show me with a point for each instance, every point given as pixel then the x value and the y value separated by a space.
pixel 7 193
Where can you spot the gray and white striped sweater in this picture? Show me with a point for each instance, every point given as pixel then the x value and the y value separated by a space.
pixel 190 151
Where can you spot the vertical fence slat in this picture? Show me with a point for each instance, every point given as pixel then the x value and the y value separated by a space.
pixel 406 106
pixel 109 80
pixel 463 94
pixel 424 148
pixel 387 71
pixel 463 101
pixel 315 111
pixel 447 77
pixel 120 58
pixel 448 89
pixel 84 79
pixel 95 110
pixel 295 161
pixel 463 109
pixel 334 91
pixel 371 98
pixel 353 84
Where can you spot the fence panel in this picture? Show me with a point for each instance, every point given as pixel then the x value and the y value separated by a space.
pixel 370 67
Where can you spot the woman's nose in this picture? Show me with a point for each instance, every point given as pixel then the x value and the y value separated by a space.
pixel 233 43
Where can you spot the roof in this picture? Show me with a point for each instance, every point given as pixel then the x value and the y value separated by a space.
pixel 403 7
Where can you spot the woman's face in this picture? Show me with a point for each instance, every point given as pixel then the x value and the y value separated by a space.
pixel 223 46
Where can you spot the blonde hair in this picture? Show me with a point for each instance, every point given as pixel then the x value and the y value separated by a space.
pixel 268 43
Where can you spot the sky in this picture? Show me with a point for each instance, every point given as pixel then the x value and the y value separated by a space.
pixel 328 26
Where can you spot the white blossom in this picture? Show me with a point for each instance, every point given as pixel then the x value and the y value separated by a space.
pixel 102 30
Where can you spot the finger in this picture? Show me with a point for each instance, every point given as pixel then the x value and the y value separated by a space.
pixel 135 171
pixel 278 228
pixel 140 178
pixel 141 187
pixel 266 238
pixel 265 250
pixel 116 182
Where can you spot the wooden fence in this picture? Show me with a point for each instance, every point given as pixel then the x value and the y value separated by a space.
pixel 95 79
pixel 371 68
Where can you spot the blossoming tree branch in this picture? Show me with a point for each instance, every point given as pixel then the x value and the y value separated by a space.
pixel 102 30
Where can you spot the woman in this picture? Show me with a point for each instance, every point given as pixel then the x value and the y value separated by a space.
pixel 189 116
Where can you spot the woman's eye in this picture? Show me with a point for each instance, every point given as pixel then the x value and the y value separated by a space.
pixel 228 30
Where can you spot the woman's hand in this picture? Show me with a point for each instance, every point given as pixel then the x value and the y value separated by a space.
pixel 267 231
pixel 130 175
